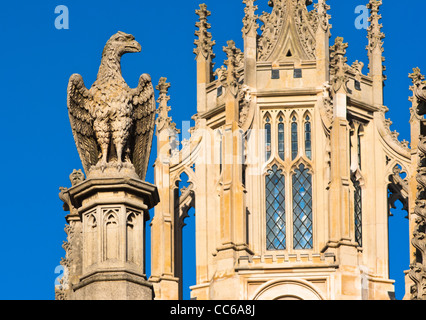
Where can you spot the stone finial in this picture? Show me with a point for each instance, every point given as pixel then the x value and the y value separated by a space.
pixel 204 42
pixel 250 18
pixel 234 56
pixel 357 67
pixel 375 34
pixel 324 18
pixel 416 77
pixel 338 65
pixel 76 177
pixel 164 120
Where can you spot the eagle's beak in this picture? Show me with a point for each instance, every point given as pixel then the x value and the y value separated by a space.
pixel 133 46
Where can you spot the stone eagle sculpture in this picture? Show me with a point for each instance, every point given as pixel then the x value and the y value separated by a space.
pixel 112 124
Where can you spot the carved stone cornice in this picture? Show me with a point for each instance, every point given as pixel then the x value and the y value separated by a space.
pixel 250 18
pixel 204 43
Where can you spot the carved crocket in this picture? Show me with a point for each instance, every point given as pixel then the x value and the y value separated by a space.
pixel 113 124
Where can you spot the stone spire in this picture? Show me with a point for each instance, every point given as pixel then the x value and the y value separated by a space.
pixel 204 42
pixel 375 34
pixel 163 119
pixel 166 129
pixel 204 52
pixel 375 50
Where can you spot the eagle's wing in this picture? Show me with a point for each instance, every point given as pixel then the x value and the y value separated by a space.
pixel 143 126
pixel 82 122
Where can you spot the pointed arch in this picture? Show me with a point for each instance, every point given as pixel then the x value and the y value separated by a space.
pixel 294 135
pixel 111 234
pixel 281 135
pixel 307 137
pixel 267 124
pixel 359 135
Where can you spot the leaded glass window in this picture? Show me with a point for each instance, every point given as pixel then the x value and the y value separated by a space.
pixel 302 209
pixel 358 212
pixel 308 138
pixel 294 142
pixel 281 138
pixel 275 210
pixel 268 139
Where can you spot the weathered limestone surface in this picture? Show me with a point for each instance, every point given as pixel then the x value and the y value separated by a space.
pixel 289 75
pixel 113 128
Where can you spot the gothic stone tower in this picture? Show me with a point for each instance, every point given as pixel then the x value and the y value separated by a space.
pixel 289 165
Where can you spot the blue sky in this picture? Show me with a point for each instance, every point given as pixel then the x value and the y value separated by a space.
pixel 38 151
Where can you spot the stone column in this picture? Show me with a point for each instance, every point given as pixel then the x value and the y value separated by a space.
pixel 111 256
pixel 163 271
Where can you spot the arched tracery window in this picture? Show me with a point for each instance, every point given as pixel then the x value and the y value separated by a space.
pixel 302 208
pixel 275 210
pixel 294 230
pixel 281 138
pixel 294 138
pixel 308 138
pixel 268 138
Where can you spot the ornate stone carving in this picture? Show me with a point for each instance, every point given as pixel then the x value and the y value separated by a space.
pixel 323 17
pixel 164 120
pixel 419 91
pixel 418 267
pixel 113 124
pixel 398 188
pixel 244 101
pixel 233 62
pixel 338 66
pixel 375 34
pixel 250 18
pixel 306 23
pixel 76 177
pixel 204 43
pixel 357 67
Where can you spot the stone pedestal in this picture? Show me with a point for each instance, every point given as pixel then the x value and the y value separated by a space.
pixel 108 252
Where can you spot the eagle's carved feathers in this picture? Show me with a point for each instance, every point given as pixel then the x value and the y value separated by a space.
pixel 113 124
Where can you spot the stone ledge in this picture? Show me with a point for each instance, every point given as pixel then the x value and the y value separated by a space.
pixel 148 192
pixel 287 260
pixel 112 275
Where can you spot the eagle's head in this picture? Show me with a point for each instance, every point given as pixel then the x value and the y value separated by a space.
pixel 122 43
